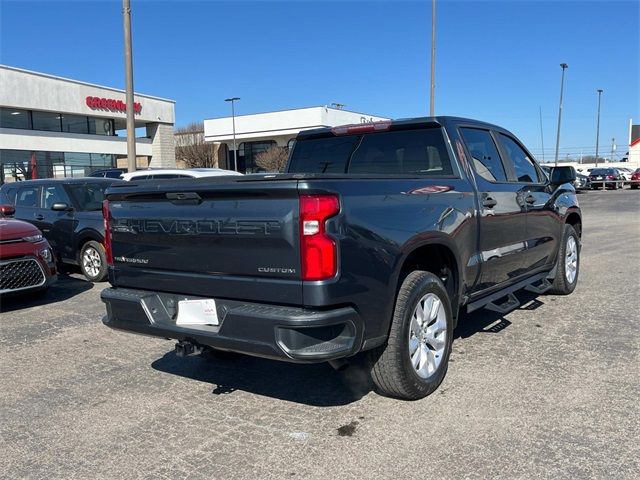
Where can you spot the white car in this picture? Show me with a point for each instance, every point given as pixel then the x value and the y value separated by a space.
pixel 626 173
pixel 163 174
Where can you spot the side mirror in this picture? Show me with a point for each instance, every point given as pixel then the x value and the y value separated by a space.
pixel 60 207
pixel 7 210
pixel 560 175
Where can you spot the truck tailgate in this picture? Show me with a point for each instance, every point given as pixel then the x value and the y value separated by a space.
pixel 215 238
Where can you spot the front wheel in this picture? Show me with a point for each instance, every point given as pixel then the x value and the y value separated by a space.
pixel 568 263
pixel 93 261
pixel 414 361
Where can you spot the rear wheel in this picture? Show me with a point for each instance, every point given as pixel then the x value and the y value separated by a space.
pixel 414 361
pixel 93 261
pixel 568 263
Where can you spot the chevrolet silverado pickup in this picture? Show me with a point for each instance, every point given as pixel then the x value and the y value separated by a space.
pixel 370 245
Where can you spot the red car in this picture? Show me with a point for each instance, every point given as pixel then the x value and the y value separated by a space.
pixel 26 260
pixel 635 179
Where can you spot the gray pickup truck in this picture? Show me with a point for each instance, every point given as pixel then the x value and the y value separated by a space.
pixel 370 245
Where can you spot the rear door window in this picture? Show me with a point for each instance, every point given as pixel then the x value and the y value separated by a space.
pixel 27 197
pixel 484 153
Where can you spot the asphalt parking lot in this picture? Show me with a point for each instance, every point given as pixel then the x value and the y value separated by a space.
pixel 549 390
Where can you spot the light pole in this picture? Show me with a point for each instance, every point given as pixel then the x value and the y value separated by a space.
pixel 233 121
pixel 598 125
pixel 432 102
pixel 541 134
pixel 564 66
pixel 128 67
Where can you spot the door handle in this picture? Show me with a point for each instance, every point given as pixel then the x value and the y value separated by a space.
pixel 39 217
pixel 489 202
pixel 530 199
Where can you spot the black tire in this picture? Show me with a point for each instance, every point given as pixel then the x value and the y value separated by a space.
pixel 561 284
pixel 94 270
pixel 633 187
pixel 392 371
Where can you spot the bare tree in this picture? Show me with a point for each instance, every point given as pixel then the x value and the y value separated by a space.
pixel 191 148
pixel 273 160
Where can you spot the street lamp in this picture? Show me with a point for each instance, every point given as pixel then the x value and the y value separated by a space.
pixel 598 125
pixel 233 121
pixel 564 66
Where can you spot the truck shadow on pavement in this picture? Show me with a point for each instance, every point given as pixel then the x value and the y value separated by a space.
pixel 65 288
pixel 314 384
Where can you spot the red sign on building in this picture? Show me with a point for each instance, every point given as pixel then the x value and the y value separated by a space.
pixel 97 103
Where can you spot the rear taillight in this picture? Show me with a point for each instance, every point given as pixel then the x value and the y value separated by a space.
pixel 106 216
pixel 611 177
pixel 318 251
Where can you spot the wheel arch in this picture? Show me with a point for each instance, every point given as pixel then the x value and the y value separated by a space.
pixel 574 219
pixel 437 255
pixel 85 236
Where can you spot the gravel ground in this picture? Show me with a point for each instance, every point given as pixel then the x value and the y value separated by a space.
pixel 548 391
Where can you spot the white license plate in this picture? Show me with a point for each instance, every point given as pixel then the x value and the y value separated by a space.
pixel 197 312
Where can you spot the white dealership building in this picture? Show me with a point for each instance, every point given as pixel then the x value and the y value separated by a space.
pixel 54 127
pixel 258 132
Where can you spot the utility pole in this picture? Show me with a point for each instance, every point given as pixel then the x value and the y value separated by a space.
pixel 613 149
pixel 128 67
pixel 598 125
pixel 541 134
pixel 233 122
pixel 564 66
pixel 432 103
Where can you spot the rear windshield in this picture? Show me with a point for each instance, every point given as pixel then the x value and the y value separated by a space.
pixel 602 171
pixel 405 152
pixel 88 196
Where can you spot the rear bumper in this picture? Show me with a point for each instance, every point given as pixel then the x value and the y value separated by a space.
pixel 271 331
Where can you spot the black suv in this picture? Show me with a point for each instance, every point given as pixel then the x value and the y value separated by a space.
pixel 69 214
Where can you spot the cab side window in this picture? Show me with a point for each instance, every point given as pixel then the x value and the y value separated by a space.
pixel 486 159
pixel 525 170
pixel 27 197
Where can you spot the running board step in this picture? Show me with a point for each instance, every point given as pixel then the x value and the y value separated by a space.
pixel 511 303
pixel 539 287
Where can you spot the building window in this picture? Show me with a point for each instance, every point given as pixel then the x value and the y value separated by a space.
pixel 15 118
pixel 100 126
pixel 47 121
pixel 25 165
pixel 247 153
pixel 74 124
pixel 55 122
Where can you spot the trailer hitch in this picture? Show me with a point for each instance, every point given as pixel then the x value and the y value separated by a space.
pixel 185 348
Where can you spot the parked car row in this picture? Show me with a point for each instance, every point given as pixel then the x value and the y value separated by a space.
pixel 582 182
pixel 609 177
